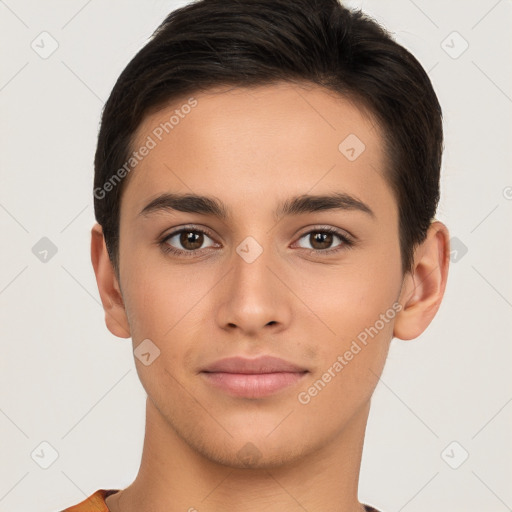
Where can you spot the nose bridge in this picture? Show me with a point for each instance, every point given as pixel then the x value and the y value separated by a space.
pixel 251 260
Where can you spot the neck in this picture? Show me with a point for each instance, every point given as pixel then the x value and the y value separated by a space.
pixel 175 477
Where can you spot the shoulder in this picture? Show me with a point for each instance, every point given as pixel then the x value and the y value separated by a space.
pixel 94 503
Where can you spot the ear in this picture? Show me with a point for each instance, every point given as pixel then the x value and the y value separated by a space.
pixel 423 288
pixel 108 286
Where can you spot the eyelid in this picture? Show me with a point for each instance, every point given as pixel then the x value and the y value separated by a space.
pixel 188 227
pixel 328 228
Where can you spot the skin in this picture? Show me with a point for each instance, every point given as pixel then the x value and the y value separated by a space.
pixel 252 149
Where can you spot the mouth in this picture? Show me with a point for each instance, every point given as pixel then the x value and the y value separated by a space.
pixel 253 378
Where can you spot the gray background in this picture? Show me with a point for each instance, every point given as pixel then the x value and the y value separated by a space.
pixel 66 381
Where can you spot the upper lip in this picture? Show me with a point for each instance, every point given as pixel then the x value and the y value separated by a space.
pixel 263 364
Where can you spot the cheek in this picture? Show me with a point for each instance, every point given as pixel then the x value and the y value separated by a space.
pixel 156 295
pixel 346 300
pixel 166 304
pixel 351 360
pixel 157 307
pixel 356 309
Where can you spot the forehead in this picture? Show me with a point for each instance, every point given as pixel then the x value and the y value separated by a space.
pixel 251 144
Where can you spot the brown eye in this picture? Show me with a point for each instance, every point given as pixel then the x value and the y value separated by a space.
pixel 187 240
pixel 191 240
pixel 322 240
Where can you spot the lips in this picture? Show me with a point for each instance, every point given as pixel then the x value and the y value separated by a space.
pixel 253 378
pixel 263 364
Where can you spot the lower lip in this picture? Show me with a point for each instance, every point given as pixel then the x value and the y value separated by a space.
pixel 253 385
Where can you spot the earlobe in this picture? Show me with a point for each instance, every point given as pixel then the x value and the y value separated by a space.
pixel 108 286
pixel 423 289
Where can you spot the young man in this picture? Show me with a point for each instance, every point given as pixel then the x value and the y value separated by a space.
pixel 266 180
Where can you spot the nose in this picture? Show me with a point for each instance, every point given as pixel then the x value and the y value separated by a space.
pixel 253 296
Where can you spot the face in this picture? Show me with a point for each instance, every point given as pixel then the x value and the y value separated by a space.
pixel 259 269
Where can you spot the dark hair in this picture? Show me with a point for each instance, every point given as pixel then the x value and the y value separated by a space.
pixel 258 42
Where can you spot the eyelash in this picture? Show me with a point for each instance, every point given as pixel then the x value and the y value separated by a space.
pixel 347 243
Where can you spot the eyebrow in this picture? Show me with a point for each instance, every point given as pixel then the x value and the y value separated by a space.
pixel 204 205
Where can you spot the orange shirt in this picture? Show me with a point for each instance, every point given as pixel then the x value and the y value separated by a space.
pixel 96 503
